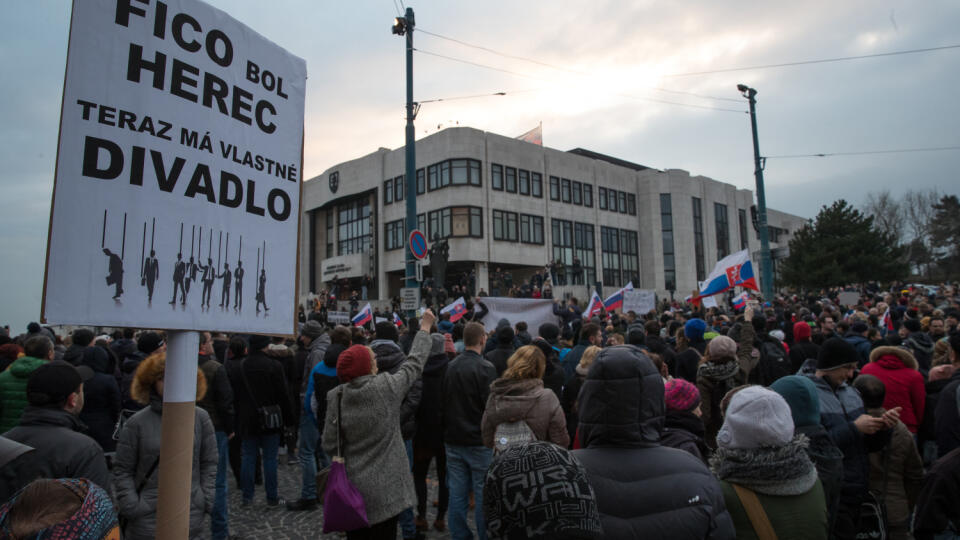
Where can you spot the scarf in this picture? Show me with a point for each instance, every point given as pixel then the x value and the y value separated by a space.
pixel 780 470
pixel 717 371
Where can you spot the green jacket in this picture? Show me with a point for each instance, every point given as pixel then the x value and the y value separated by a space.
pixel 793 516
pixel 13 390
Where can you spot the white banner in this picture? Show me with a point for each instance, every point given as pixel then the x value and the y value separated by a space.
pixel 338 317
pixel 534 312
pixel 639 301
pixel 177 193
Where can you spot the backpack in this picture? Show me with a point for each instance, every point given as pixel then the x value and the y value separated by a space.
pixel 774 362
pixel 511 433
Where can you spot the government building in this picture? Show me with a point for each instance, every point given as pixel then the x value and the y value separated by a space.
pixel 502 202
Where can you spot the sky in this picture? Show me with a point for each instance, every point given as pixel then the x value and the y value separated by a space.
pixel 600 74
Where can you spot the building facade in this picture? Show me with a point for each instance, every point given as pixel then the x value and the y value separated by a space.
pixel 501 202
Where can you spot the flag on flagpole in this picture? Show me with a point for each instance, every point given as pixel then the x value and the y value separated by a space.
pixel 740 301
pixel 534 136
pixel 615 300
pixel 594 307
pixel 397 320
pixel 456 310
pixel 364 316
pixel 887 320
pixel 734 270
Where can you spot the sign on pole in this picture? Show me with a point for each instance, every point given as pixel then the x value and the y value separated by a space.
pixel 418 244
pixel 175 118
pixel 409 298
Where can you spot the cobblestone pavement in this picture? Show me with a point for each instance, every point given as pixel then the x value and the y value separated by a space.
pixel 261 521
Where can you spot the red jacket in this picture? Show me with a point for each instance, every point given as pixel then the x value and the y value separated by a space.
pixel 904 385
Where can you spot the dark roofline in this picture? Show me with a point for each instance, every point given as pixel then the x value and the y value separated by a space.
pixel 609 159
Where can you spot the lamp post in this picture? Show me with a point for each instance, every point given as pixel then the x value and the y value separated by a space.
pixel 404 26
pixel 766 263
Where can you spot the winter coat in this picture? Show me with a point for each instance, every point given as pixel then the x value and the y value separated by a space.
pixel 897 472
pixel 74 354
pixel 795 516
pixel 684 430
pixel 499 356
pixel 572 359
pixel 801 351
pixel 389 359
pixel 553 377
pixel 688 361
pixel 643 490
pixel 828 459
pixel 928 427
pixel 904 384
pixel 218 401
pixel 430 411
pixel 137 450
pixel 101 399
pixel 921 346
pixel 571 391
pixel 61 450
pixel 465 388
pixel 658 345
pixel 320 381
pixel 947 417
pixel 511 400
pixel 861 345
pixel 13 390
pixel 128 368
pixel 268 387
pixel 372 447
pixel 315 354
pixel 937 504
pixel 714 380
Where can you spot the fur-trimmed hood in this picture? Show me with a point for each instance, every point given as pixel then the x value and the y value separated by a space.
pixel 905 356
pixel 150 370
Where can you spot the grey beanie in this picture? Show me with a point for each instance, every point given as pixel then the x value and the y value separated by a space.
pixel 311 329
pixel 436 344
pixel 756 417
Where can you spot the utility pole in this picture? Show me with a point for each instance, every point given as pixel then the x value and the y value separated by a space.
pixel 404 26
pixel 766 262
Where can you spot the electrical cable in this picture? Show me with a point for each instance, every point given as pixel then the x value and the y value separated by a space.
pixel 866 152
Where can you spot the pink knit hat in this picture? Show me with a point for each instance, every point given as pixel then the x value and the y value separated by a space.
pixel 680 395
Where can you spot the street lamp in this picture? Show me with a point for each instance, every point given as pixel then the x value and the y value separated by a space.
pixel 403 26
pixel 766 264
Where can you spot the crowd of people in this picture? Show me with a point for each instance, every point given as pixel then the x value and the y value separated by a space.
pixel 796 418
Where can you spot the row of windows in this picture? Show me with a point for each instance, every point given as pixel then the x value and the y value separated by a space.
pixel 617 201
pixel 511 227
pixel 620 254
pixel 451 172
pixel 571 191
pixel 353 227
pixel 573 245
pixel 513 180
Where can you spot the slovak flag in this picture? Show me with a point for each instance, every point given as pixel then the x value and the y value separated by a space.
pixel 734 270
pixel 615 300
pixel 887 320
pixel 456 310
pixel 740 301
pixel 595 306
pixel 397 320
pixel 365 316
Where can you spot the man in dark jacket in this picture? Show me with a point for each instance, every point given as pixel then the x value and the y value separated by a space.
pixel 50 426
pixel 937 509
pixel 218 402
pixel 857 336
pixel 947 414
pixel 919 343
pixel 269 389
pixel 101 398
pixel 466 386
pixel 569 313
pixel 589 335
pixel 428 440
pixel 81 338
pixel 642 487
pixel 658 345
pixel 504 350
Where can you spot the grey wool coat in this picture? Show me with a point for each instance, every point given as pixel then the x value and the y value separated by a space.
pixel 138 448
pixel 373 449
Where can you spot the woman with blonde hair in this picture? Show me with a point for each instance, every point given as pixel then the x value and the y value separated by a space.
pixel 571 390
pixel 135 473
pixel 519 395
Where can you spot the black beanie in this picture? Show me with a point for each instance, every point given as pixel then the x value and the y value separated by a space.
pixel 549 332
pixel 912 325
pixel 258 342
pixel 505 335
pixel 387 330
pixel 836 352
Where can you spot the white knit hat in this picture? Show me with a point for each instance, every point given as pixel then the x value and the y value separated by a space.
pixel 756 417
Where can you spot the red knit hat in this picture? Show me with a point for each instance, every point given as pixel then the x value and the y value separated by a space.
pixel 680 395
pixel 354 362
pixel 801 331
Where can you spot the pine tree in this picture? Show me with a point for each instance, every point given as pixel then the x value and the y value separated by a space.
pixel 945 234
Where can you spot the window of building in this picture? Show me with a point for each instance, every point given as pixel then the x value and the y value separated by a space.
pixel 329 214
pixel 622 202
pixel 562 241
pixel 610 255
pixel 602 198
pixel 523 179
pixel 631 204
pixel 393 236
pixel 453 221
pixel 565 190
pixel 554 188
pixel 629 257
pixel 476 177
pixel 353 227
pixel 588 195
pixel 744 241
pixel 536 184
pixel 666 228
pixel 422 223
pixel 723 230
pixel 577 193
pixel 476 222
pixel 460 173
pixel 531 229
pixel 698 239
pixel 505 226
pixel 612 199
pixel 387 191
pixel 496 177
pixel 421 182
pixel 399 188
pixel 510 179
pixel 433 177
pixel 440 224
pixel 444 173
pixel 584 247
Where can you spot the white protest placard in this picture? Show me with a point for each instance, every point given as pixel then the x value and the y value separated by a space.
pixel 639 301
pixel 338 317
pixel 710 302
pixel 177 191
pixel 848 298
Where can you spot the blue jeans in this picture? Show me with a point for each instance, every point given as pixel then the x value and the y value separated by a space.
pixel 466 469
pixel 219 526
pixel 408 527
pixel 248 462
pixel 309 448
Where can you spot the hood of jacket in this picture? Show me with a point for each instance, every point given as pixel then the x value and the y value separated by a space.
pixel 73 354
pixel 621 400
pixel 332 353
pixel 51 416
pixel 920 341
pixel 24 366
pixel 389 354
pixel 515 397
pixel 98 360
pixel 435 363
pixel 685 420
pixel 656 344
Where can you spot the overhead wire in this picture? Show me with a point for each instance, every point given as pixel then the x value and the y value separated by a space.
pixel 866 152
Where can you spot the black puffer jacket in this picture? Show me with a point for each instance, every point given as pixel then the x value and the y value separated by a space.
pixel 101 398
pixel 430 411
pixel 389 359
pixel 643 490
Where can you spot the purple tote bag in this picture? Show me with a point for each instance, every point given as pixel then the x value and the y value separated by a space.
pixel 343 506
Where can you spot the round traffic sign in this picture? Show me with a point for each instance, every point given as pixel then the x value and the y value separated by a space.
pixel 418 244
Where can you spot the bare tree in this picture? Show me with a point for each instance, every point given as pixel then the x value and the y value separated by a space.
pixel 887 213
pixel 918 213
